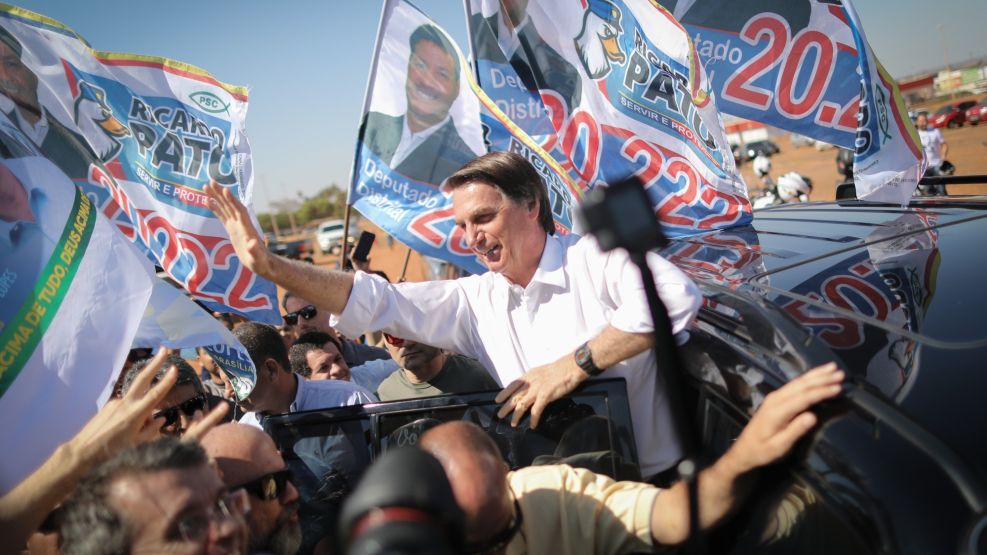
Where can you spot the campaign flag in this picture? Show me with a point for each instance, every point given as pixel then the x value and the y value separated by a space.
pixel 424 117
pixel 172 320
pixel 141 136
pixel 613 89
pixel 65 320
pixel 806 66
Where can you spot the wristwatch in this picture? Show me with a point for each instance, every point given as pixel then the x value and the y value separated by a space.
pixel 584 358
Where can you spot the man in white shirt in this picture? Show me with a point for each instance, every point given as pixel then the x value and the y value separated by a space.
pixel 279 390
pixel 552 312
pixel 935 147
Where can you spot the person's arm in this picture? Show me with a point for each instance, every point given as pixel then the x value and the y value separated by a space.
pixel 119 424
pixel 782 419
pixel 544 384
pixel 328 289
pixel 943 147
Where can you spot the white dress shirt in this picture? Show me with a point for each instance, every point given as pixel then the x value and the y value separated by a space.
pixel 575 293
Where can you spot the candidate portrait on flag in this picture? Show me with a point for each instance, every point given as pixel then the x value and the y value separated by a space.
pixel 422 143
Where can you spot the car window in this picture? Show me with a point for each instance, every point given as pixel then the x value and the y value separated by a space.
pixel 945 110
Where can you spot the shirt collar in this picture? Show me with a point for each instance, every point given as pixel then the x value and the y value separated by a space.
pixel 299 393
pixel 550 267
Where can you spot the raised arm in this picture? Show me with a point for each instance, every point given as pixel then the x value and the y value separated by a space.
pixel 328 289
pixel 783 419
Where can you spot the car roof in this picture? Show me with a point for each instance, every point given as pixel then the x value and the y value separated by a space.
pixel 896 294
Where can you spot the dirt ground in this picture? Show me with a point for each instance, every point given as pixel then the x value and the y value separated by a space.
pixel 966 150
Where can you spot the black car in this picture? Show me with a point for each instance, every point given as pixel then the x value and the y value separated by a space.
pixel 894 295
pixel 758 148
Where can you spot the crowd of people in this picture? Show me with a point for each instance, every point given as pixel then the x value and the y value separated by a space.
pixel 175 463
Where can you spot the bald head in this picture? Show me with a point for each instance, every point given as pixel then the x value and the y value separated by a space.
pixel 478 475
pixel 242 452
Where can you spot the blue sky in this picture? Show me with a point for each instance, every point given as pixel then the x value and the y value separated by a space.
pixel 306 62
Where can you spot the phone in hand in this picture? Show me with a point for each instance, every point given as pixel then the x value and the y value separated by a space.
pixel 363 246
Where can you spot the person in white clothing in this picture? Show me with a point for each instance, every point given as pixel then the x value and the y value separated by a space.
pixel 552 312
pixel 935 147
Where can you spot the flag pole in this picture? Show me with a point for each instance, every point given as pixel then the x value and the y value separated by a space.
pixel 404 269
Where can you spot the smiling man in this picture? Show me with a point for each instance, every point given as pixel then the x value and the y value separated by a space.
pixel 423 144
pixel 551 313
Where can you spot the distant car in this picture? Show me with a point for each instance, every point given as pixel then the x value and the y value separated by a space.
pixel 801 140
pixel 951 115
pixel 300 249
pixel 757 148
pixel 330 235
pixel 977 113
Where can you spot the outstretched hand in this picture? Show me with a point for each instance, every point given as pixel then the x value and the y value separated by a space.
pixel 783 418
pixel 124 422
pixel 246 240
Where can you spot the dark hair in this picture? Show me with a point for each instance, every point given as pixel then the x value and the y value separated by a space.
pixel 11 42
pixel 186 374
pixel 319 338
pixel 432 34
pixel 284 299
pixel 514 176
pixel 89 524
pixel 262 342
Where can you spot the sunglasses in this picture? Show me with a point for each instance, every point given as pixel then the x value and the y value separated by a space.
pixel 393 341
pixel 188 408
pixel 269 486
pixel 308 313
pixel 501 540
pixel 195 527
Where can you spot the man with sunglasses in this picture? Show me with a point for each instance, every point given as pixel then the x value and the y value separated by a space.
pixel 158 497
pixel 186 402
pixel 318 356
pixel 247 458
pixel 425 371
pixel 561 509
pixel 303 317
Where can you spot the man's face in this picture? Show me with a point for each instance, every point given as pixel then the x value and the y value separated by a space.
pixel 181 397
pixel 262 398
pixel 320 322
pixel 274 525
pixel 922 121
pixel 162 509
pixel 18 82
pixel 14 204
pixel 327 363
pixel 432 85
pixel 208 363
pixel 497 229
pixel 410 355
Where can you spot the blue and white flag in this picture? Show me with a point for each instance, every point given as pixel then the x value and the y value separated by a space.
pixel 806 66
pixel 141 136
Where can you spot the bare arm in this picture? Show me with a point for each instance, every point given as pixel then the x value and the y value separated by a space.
pixel 119 424
pixel 943 149
pixel 328 289
pixel 782 420
pixel 544 384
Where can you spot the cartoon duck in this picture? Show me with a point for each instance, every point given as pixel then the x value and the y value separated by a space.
pixel 97 122
pixel 597 41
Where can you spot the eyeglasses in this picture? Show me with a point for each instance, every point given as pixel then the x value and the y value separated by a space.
pixel 501 540
pixel 195 527
pixel 269 486
pixel 393 341
pixel 188 408
pixel 307 312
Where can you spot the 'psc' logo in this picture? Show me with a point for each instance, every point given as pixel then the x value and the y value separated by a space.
pixel 209 102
